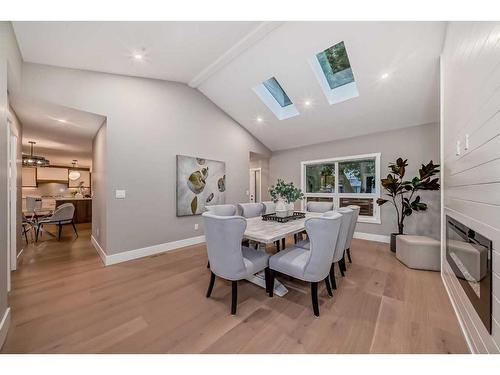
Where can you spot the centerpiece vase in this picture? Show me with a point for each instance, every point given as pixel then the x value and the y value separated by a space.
pixel 281 208
pixel 290 208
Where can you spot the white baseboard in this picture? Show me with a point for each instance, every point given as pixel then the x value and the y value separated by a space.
pixel 372 237
pixel 99 249
pixel 168 246
pixel 145 251
pixel 4 326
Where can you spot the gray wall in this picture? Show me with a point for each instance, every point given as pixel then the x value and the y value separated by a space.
pixel 10 76
pixel 471 105
pixel 99 218
pixel 418 144
pixel 148 123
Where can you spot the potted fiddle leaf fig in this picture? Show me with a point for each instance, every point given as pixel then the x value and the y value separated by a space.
pixel 284 195
pixel 403 193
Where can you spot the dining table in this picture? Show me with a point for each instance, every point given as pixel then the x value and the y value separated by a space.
pixel 264 232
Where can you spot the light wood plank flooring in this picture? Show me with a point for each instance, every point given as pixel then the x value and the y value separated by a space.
pixel 65 301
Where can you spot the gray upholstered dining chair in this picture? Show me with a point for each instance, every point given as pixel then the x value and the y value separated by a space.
pixel 63 215
pixel 338 257
pixel 228 258
pixel 269 207
pixel 319 206
pixel 352 228
pixel 311 265
pixel 249 210
pixel 222 209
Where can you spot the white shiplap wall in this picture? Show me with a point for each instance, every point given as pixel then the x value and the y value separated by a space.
pixel 470 78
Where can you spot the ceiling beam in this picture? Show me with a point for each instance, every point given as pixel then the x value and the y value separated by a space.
pixel 263 29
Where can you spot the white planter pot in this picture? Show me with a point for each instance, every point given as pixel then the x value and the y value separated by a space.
pixel 281 208
pixel 290 208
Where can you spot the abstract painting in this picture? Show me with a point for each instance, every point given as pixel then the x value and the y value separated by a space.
pixel 200 183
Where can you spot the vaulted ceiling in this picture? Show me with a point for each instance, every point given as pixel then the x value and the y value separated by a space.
pixel 225 60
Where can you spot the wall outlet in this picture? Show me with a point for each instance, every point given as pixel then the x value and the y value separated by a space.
pixel 120 194
pixel 196 227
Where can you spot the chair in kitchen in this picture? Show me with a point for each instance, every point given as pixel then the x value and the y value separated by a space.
pixel 63 215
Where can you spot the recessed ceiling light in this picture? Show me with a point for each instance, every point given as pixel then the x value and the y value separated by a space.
pixel 384 76
pixel 138 56
pixel 260 119
pixel 307 103
pixel 62 121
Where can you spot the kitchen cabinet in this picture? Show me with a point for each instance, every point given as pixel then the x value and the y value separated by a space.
pixel 84 176
pixel 83 209
pixel 52 174
pixel 29 177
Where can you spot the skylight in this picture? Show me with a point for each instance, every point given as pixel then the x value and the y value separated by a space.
pixel 334 73
pixel 276 99
pixel 273 86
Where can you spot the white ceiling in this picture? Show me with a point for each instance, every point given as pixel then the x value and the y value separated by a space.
pixel 407 51
pixel 224 60
pixel 60 142
pixel 174 51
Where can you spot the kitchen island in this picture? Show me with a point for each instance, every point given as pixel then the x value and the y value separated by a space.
pixel 83 208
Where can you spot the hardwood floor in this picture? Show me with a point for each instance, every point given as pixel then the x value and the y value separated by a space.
pixel 65 301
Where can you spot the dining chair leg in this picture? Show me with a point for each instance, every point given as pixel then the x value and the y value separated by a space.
pixel 267 277
pixel 59 232
pixel 74 228
pixel 37 231
pixel 328 286
pixel 208 264
pixel 342 265
pixel 314 296
pixel 211 284
pixel 332 276
pixel 340 268
pixel 271 282
pixel 349 255
pixel 234 297
pixel 25 231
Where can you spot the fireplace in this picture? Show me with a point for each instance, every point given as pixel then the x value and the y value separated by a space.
pixel 469 255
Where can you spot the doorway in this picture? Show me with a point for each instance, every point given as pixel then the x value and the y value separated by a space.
pixel 255 185
pixel 12 229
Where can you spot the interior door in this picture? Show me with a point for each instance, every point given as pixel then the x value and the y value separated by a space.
pixel 255 185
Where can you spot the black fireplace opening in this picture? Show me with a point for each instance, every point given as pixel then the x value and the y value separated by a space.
pixel 469 255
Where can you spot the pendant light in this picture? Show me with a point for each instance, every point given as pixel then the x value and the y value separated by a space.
pixel 73 173
pixel 32 160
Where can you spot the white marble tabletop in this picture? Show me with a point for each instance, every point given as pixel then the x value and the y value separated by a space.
pixel 270 231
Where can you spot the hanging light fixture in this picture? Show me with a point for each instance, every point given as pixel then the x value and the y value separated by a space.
pixel 32 160
pixel 74 174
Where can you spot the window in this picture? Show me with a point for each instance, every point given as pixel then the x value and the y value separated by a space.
pixel 276 99
pixel 335 65
pixel 334 73
pixel 320 178
pixel 345 181
pixel 273 86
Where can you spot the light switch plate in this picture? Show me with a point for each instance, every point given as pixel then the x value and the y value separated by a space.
pixel 120 194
